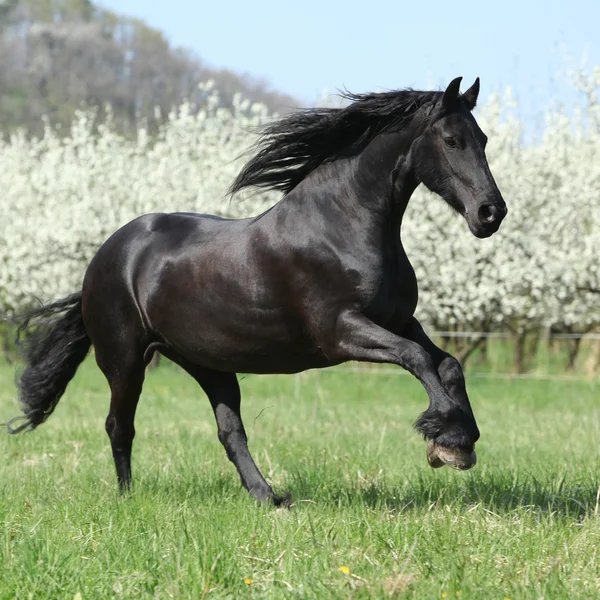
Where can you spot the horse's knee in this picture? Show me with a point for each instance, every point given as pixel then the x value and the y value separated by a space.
pixel 451 374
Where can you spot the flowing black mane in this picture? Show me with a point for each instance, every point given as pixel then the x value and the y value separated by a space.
pixel 294 146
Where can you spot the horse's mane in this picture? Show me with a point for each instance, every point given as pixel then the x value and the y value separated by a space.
pixel 295 145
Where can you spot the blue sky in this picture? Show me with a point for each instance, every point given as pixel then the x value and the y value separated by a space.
pixel 306 46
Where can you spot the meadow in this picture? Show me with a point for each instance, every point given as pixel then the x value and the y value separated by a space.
pixel 369 518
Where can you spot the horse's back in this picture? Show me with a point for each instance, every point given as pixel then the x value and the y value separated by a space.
pixel 165 230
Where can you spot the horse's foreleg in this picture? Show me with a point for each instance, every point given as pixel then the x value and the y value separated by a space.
pixel 452 378
pixel 448 422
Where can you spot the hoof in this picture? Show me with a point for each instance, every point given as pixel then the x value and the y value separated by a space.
pixel 268 498
pixel 284 501
pixel 438 456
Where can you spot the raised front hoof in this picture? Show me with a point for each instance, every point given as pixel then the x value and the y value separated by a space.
pixel 438 456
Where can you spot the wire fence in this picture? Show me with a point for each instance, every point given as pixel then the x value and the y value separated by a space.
pixel 505 335
pixel 368 370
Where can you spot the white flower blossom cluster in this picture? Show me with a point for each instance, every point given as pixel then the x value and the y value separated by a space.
pixel 62 196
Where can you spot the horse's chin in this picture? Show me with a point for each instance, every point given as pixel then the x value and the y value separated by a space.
pixel 481 231
pixel 482 234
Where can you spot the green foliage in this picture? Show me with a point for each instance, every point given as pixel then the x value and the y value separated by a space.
pixel 523 524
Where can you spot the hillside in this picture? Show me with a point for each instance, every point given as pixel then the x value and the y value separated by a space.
pixel 59 55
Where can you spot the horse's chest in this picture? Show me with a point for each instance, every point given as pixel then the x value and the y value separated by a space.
pixel 396 293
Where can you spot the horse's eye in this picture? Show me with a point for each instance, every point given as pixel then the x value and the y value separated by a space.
pixel 451 142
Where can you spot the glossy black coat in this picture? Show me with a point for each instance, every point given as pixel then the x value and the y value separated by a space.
pixel 319 279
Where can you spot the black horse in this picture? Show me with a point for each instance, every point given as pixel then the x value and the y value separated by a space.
pixel 319 279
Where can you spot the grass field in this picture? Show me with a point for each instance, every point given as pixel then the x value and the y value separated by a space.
pixel 370 519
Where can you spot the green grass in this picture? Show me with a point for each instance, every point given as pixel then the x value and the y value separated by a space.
pixel 525 523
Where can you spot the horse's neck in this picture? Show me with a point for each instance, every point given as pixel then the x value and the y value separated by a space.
pixel 385 178
pixel 369 192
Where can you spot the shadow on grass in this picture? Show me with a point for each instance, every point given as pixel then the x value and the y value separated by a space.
pixel 500 493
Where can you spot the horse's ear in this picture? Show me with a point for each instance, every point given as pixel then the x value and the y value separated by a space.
pixel 451 93
pixel 470 96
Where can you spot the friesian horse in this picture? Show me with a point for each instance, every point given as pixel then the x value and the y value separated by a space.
pixel 318 279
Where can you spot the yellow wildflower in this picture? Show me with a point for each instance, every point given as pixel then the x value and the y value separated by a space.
pixel 345 570
pixel 248 581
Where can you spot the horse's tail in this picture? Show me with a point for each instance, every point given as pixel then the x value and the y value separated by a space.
pixel 54 345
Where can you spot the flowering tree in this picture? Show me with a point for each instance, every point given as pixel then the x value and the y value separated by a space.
pixel 61 197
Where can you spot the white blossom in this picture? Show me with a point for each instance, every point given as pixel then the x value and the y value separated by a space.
pixel 61 197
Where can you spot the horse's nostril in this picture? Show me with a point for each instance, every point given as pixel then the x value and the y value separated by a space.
pixel 487 213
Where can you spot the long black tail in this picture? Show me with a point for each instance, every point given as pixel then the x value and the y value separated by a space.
pixel 54 342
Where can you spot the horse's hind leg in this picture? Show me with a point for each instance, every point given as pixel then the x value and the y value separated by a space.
pixel 223 391
pixel 124 369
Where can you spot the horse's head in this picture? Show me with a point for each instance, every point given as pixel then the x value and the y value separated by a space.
pixel 449 158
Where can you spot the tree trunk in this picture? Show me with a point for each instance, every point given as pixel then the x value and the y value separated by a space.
pixel 467 349
pixel 483 351
pixel 573 351
pixel 531 349
pixel 593 362
pixel 519 352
